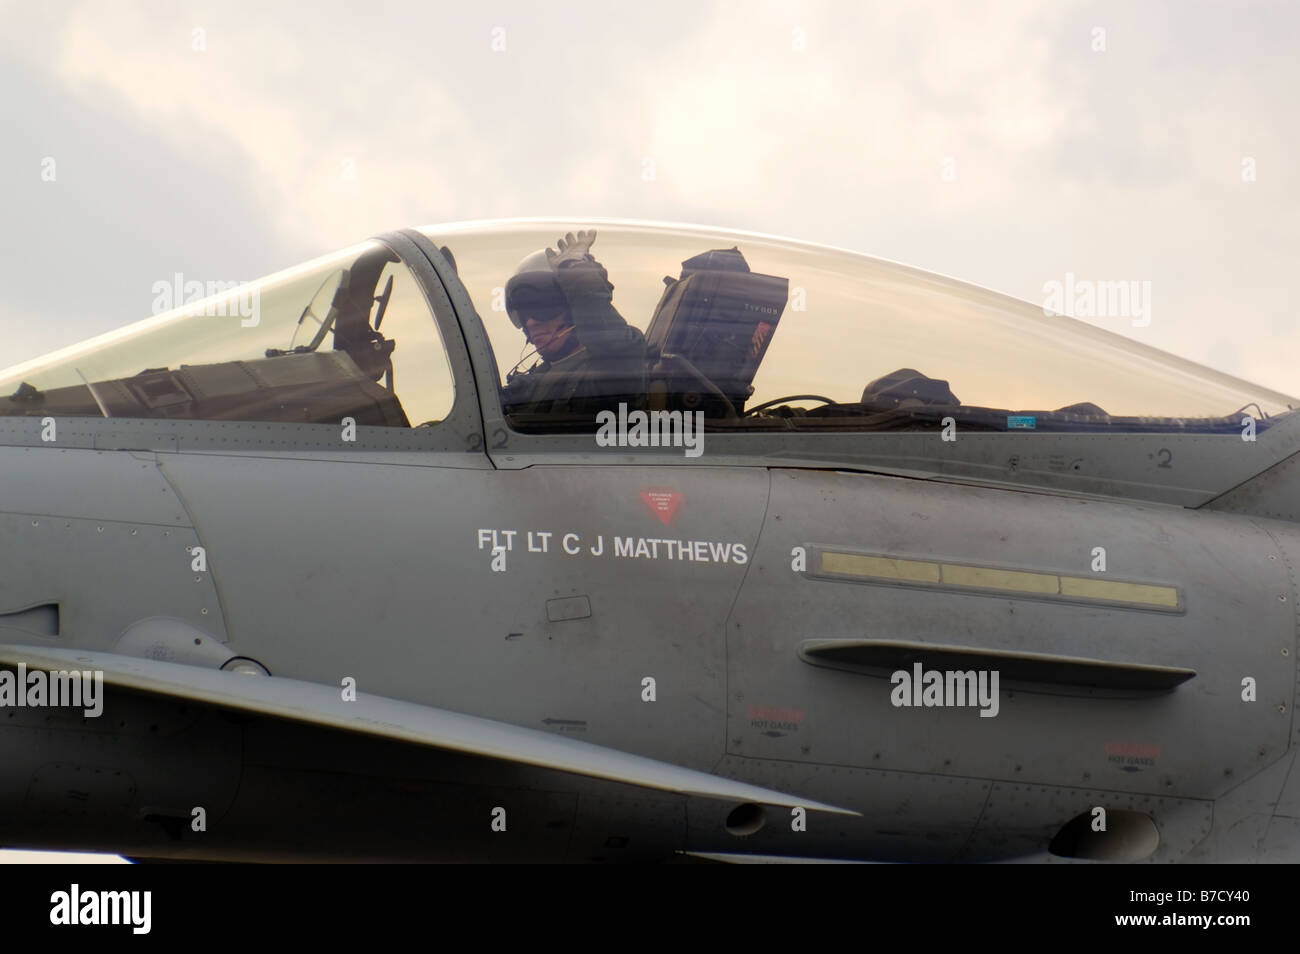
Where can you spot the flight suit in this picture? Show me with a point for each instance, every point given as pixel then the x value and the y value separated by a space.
pixel 608 367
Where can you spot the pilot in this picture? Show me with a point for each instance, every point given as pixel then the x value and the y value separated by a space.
pixel 592 358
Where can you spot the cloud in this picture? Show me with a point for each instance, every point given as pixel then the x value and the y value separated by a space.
pixel 324 157
pixel 298 129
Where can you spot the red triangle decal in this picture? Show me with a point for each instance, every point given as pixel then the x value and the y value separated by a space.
pixel 663 503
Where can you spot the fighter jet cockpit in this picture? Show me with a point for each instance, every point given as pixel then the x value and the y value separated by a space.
pixel 347 335
pixel 764 334
pixel 754 333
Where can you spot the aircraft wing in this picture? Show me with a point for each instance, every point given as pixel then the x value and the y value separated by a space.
pixel 393 719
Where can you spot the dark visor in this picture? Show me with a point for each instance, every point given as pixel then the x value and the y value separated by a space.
pixel 542 299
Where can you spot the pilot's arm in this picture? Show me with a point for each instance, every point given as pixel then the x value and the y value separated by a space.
pixel 599 327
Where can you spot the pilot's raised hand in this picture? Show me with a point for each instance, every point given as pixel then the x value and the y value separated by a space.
pixel 572 250
pixel 587 287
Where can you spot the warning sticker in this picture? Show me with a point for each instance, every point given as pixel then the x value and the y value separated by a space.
pixel 663 503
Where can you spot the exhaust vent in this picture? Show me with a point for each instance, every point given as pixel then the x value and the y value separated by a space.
pixel 40 620
pixel 1129 836
pixel 746 819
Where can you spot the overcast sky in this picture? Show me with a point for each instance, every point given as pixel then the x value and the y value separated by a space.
pixel 828 122
pixel 1005 143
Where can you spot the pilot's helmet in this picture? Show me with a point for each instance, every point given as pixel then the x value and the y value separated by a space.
pixel 533 290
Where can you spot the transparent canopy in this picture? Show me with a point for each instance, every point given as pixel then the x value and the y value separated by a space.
pixel 756 333
pixel 796 335
pixel 336 337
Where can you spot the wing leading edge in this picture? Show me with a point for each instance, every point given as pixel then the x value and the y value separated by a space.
pixel 394 719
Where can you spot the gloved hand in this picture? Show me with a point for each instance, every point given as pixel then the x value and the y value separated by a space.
pixel 572 250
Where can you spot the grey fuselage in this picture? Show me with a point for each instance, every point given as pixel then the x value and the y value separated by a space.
pixel 743 614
